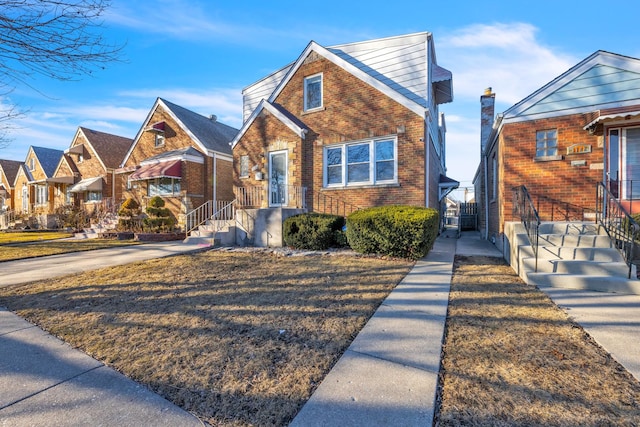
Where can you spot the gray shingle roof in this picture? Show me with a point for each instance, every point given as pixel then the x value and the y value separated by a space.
pixel 10 168
pixel 212 134
pixel 110 148
pixel 48 158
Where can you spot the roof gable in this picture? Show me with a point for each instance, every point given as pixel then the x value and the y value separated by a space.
pixel 109 148
pixel 207 133
pixel 48 159
pixel 280 113
pixel 10 169
pixel 603 80
pixel 402 67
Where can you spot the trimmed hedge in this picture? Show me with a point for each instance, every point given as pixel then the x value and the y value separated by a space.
pixel 313 231
pixel 399 231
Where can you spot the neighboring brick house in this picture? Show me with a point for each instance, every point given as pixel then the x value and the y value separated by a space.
pixel 35 185
pixel 86 171
pixel 180 155
pixel 580 129
pixel 345 127
pixel 8 171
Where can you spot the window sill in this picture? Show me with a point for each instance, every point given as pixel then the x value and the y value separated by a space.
pixel 362 186
pixel 315 110
pixel 547 158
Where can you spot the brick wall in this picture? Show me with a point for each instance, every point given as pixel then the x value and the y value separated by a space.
pixel 352 111
pixel 560 190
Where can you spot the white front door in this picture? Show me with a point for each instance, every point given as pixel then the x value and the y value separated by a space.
pixel 25 198
pixel 278 178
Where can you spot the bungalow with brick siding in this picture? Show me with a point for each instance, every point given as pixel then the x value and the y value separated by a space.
pixel 581 129
pixel 8 171
pixel 89 165
pixel 345 127
pixel 35 185
pixel 181 156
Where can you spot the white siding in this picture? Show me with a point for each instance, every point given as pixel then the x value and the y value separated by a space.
pixel 252 95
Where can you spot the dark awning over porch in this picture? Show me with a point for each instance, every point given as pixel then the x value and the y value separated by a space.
pixel 170 169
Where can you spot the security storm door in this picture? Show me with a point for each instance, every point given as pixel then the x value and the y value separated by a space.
pixel 278 178
pixel 25 198
pixel 631 163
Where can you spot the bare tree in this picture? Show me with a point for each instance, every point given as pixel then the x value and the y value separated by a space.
pixel 59 39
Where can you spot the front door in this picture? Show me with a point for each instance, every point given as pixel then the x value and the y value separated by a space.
pixel 630 164
pixel 278 178
pixel 25 198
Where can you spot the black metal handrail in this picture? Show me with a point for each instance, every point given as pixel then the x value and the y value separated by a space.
pixel 524 208
pixel 621 228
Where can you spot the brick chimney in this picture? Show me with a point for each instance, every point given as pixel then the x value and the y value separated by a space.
pixel 487 114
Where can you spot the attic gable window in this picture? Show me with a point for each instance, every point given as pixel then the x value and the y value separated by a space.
pixel 159 139
pixel 313 92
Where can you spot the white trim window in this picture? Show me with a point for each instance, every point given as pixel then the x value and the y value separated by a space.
pixel 372 162
pixel 93 196
pixel 164 187
pixel 313 92
pixel 158 139
pixel 244 166
pixel 42 194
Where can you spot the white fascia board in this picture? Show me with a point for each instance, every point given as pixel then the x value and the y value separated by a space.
pixel 185 157
pixel 352 69
pixel 301 132
pixel 247 123
pixel 219 155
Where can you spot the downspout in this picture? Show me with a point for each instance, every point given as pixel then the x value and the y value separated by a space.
pixel 427 145
pixel 215 182
pixel 486 197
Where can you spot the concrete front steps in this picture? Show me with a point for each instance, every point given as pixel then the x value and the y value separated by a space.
pixel 213 233
pixel 575 255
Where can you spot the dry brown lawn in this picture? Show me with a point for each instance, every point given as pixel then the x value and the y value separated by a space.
pixel 513 358
pixel 237 338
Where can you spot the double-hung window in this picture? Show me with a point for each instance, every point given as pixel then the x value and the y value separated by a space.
pixel 42 194
pixel 361 163
pixel 313 92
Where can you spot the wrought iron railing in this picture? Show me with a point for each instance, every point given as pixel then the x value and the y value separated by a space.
pixel 7 218
pixel 524 208
pixel 621 228
pixel 289 196
pixel 324 203
pixel 220 210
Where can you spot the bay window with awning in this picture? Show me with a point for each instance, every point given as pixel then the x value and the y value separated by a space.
pixel 91 188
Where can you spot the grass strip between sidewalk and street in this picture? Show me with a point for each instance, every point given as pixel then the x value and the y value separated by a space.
pixel 11 252
pixel 514 358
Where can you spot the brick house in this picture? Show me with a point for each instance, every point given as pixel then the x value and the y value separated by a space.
pixel 580 129
pixel 346 127
pixel 180 155
pixel 8 171
pixel 35 184
pixel 86 171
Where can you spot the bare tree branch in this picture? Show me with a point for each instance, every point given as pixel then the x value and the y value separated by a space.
pixel 59 39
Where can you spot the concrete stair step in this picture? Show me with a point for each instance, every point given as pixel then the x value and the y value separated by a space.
pixel 573 240
pixel 577 253
pixel 578 267
pixel 574 228
pixel 585 282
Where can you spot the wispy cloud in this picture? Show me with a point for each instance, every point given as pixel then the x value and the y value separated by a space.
pixel 507 57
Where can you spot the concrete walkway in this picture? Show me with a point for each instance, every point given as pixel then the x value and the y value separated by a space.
pixel 388 376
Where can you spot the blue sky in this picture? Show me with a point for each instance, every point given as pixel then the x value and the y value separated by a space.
pixel 200 54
